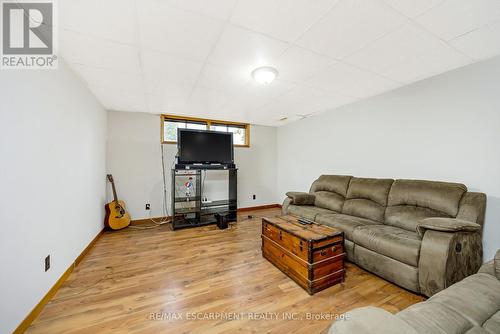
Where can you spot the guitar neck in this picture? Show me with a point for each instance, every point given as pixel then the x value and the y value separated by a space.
pixel 115 197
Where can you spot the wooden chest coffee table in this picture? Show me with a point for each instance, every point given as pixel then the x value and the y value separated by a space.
pixel 311 255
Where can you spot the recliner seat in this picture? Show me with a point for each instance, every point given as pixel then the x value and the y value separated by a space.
pixel 471 306
pixel 422 235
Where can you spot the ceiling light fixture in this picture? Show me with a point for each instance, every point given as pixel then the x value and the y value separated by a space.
pixel 264 75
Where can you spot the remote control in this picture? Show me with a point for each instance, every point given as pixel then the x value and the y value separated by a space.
pixel 304 221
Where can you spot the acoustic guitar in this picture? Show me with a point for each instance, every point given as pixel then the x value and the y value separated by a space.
pixel 116 215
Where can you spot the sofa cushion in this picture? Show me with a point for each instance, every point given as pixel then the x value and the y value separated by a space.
pixel 306 211
pixel 478 330
pixel 440 196
pixel 476 298
pixel 488 268
pixel 492 325
pixel 330 191
pixel 408 217
pixel 392 270
pixel 429 317
pixel 393 242
pixel 344 222
pixel 469 306
pixel 367 198
pixel 332 183
pixel 368 320
pixel 329 200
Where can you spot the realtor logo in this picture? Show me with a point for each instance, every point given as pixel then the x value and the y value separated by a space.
pixel 28 34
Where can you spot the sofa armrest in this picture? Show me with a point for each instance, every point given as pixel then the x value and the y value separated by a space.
pixel 285 205
pixel 370 320
pixel 446 258
pixel 446 225
pixel 301 198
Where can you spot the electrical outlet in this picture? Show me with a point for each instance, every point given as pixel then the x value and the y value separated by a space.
pixel 47 262
pixel 148 206
pixel 254 197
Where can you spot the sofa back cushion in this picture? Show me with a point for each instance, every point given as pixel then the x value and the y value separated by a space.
pixel 330 191
pixel 367 198
pixel 412 200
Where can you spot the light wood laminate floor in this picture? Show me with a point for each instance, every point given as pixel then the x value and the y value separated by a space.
pixel 133 280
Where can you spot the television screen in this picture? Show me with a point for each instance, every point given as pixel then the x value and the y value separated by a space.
pixel 198 146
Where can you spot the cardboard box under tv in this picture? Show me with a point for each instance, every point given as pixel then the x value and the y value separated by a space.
pixel 311 255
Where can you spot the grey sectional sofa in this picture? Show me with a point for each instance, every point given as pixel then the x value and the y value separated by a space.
pixel 471 306
pixel 421 235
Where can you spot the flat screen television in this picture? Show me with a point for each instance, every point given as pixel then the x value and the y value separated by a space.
pixel 199 146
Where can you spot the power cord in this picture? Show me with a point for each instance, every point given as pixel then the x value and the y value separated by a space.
pixel 165 210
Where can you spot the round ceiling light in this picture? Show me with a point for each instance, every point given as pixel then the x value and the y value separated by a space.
pixel 264 75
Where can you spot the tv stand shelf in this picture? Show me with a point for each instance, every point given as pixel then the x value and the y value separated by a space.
pixel 188 209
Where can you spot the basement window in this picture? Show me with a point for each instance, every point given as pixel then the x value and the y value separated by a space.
pixel 239 132
pixel 170 124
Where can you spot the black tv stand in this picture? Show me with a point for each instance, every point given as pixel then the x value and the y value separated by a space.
pixel 188 207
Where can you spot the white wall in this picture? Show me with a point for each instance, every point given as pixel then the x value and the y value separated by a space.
pixel 443 128
pixel 134 159
pixel 52 182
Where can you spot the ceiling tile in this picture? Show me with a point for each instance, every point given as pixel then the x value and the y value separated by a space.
pixel 262 120
pixel 176 32
pixel 228 115
pixel 299 103
pixel 79 49
pixel 254 96
pixel 314 99
pixel 481 43
pixel 196 57
pixel 298 64
pixel 109 19
pixel 407 55
pixel 454 18
pixel 275 89
pixel 351 81
pixel 413 8
pixel 206 100
pixel 282 19
pixel 221 78
pixel 277 110
pixel 170 99
pixel 161 69
pixel 113 99
pixel 110 79
pixel 349 26
pixel 242 50
pixel 303 93
pixel 219 9
pixel 155 103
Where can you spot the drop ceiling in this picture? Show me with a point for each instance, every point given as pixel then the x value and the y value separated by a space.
pixel 195 57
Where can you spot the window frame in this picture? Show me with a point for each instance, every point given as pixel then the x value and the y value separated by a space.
pixel 207 121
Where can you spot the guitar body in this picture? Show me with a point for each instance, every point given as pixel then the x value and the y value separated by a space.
pixel 116 216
